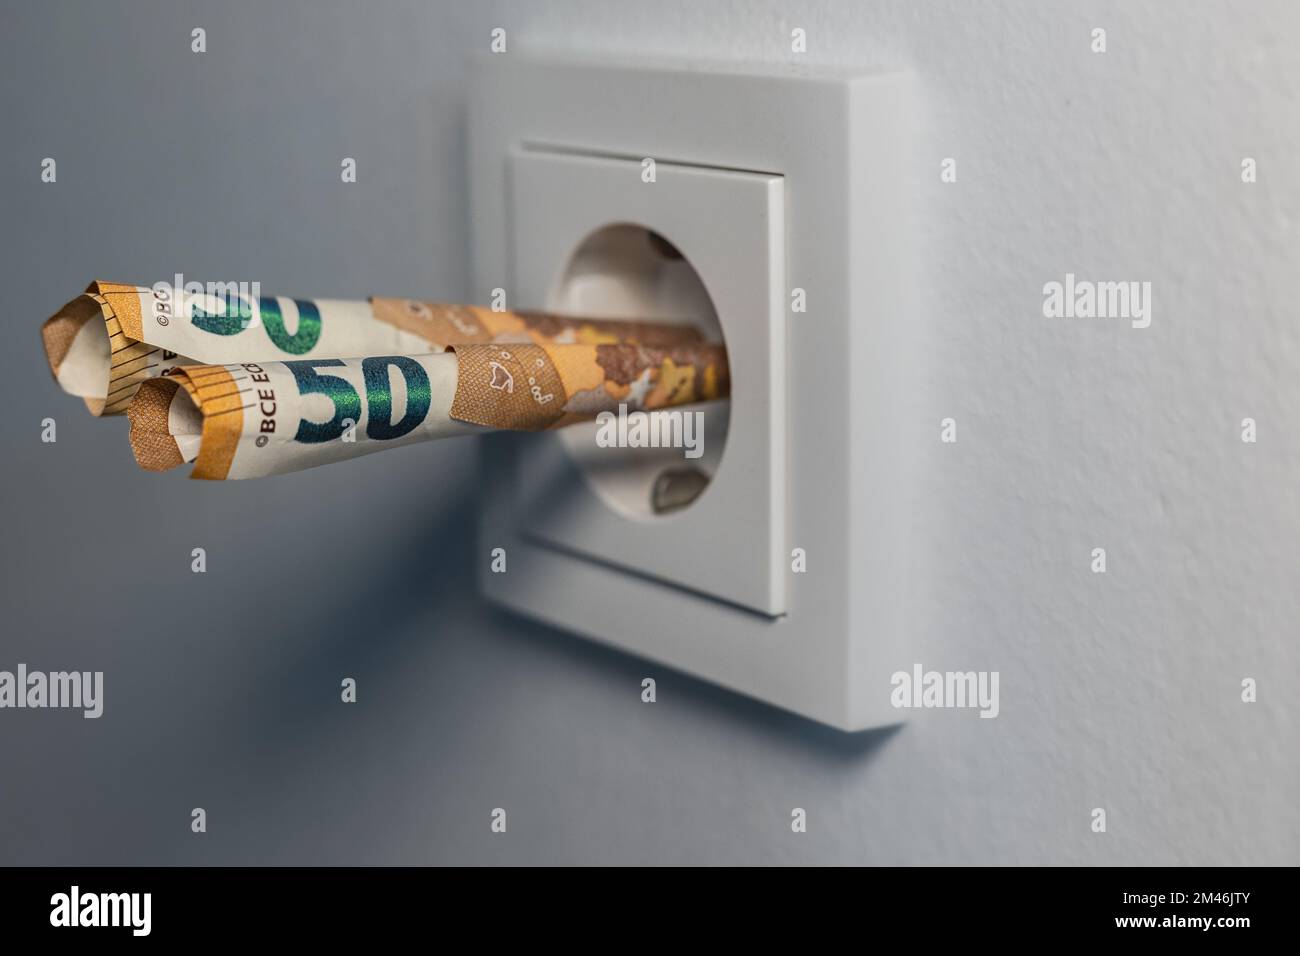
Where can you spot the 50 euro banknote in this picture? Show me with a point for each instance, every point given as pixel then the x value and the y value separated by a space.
pixel 104 344
pixel 252 419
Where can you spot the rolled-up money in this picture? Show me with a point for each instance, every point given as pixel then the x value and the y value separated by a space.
pixel 105 343
pixel 253 419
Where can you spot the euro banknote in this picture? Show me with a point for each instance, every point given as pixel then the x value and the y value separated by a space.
pixel 253 419
pixel 104 344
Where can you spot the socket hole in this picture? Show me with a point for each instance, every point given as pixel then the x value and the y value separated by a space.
pixel 676 488
pixel 625 271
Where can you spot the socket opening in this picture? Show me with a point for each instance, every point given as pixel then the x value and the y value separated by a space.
pixel 626 271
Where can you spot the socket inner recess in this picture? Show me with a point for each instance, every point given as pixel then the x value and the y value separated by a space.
pixel 626 271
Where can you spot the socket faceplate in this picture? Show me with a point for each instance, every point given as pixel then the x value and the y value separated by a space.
pixel 821 634
pixel 729 226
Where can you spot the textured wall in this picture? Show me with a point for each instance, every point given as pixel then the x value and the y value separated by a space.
pixel 1118 690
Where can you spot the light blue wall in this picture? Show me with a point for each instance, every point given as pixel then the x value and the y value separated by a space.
pixel 1118 690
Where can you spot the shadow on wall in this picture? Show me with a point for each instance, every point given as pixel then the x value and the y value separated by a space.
pixel 415 583
pixel 703 702
pixel 429 567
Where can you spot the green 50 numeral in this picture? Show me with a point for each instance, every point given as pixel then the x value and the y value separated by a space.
pixel 236 314
pixel 347 403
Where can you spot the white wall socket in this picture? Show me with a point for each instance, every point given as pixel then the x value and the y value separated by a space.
pixel 765 183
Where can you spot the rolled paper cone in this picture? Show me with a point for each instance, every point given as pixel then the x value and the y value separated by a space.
pixel 254 419
pixel 108 341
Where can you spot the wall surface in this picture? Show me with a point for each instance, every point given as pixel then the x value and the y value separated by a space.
pixel 1118 690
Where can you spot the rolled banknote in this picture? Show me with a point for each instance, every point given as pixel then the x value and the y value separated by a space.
pixel 105 343
pixel 252 419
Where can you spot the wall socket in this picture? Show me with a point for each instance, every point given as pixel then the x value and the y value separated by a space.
pixel 773 220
